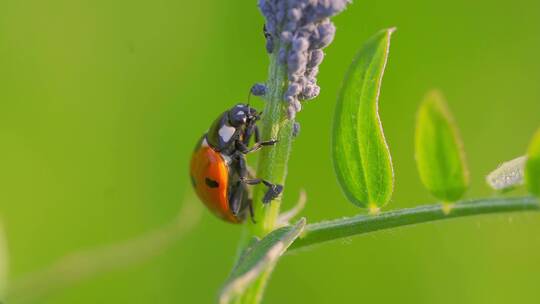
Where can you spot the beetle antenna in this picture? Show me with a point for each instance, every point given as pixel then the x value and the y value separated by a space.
pixel 249 98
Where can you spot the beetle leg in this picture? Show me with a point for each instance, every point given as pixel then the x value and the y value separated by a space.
pixel 235 200
pixel 251 212
pixel 257 134
pixel 242 145
pixel 249 132
pixel 243 172
pixel 245 149
pixel 273 190
pixel 241 166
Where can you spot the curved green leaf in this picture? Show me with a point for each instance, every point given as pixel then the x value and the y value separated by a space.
pixel 439 154
pixel 257 261
pixel 532 167
pixel 361 156
pixel 508 175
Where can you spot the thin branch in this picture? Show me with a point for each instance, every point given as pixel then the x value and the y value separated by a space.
pixel 360 224
pixel 82 265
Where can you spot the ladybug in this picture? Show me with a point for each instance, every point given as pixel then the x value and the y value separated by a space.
pixel 218 170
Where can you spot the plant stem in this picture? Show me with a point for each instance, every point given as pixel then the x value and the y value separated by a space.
pixel 273 161
pixel 360 224
pixel 272 165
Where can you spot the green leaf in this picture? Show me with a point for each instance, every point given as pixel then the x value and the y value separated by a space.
pixel 508 175
pixel 532 167
pixel 439 154
pixel 361 156
pixel 257 261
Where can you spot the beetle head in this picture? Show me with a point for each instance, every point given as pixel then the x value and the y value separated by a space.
pixel 242 114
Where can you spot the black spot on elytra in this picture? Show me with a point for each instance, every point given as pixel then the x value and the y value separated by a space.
pixel 211 183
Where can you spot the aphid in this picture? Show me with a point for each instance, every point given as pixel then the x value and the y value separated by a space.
pixel 218 170
pixel 269 40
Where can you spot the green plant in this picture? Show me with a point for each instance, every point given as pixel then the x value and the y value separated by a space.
pixel 362 163
pixel 361 157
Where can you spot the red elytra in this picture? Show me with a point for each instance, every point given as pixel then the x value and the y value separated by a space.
pixel 210 178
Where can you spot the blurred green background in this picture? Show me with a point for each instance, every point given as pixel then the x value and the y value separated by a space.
pixel 101 103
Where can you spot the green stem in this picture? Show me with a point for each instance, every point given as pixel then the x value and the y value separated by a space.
pixel 360 224
pixel 272 164
pixel 273 161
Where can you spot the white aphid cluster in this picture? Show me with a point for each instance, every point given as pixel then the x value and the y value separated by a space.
pixel 509 174
pixel 301 29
